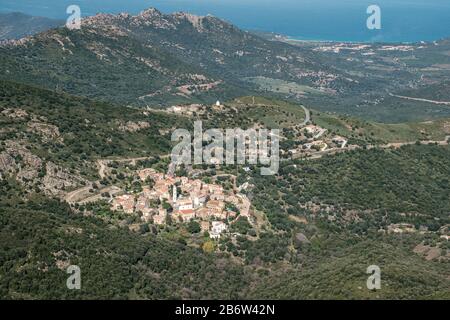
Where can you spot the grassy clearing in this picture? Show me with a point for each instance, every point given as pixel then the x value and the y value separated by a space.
pixel 282 86
pixel 380 132
pixel 270 113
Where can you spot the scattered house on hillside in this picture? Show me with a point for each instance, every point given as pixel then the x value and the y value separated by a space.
pixel 218 227
pixel 315 131
pixel 143 205
pixel 175 109
pixel 186 109
pixel 218 214
pixel 145 173
pixel 445 232
pixel 244 186
pixel 233 199
pixel 340 141
pixel 319 144
pixel 231 214
pixel 184 180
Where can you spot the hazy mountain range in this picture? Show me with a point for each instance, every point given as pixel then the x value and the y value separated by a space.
pixel 17 25
pixel 161 59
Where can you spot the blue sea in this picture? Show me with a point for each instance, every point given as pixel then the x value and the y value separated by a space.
pixel 332 20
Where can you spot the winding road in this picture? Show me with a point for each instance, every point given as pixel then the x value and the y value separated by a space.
pixel 395 145
pixel 307 116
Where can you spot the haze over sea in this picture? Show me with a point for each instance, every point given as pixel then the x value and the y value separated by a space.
pixel 334 20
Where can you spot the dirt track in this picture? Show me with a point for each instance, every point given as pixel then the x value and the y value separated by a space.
pixel 447 103
pixel 396 145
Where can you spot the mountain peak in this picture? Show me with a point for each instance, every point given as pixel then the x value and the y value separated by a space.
pixel 153 17
pixel 100 18
pixel 150 12
pixel 196 21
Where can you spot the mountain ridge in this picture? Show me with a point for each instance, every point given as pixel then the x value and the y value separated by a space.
pixel 17 25
pixel 159 60
pixel 207 46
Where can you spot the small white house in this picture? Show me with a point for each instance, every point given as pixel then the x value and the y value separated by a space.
pixel 218 227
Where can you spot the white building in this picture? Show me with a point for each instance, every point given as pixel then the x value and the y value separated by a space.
pixel 218 227
pixel 184 204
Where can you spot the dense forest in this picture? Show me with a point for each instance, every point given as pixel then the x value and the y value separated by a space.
pixel 410 184
pixel 40 238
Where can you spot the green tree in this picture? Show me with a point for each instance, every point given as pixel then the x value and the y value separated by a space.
pixel 193 227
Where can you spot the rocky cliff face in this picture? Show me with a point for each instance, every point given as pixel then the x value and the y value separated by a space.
pixel 33 173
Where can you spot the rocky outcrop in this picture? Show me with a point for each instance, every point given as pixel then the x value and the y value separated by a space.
pixel 31 171
pixel 196 21
pixel 57 180
pixel 300 240
pixel 154 18
pixel 48 132
pixel 6 162
pixel 15 113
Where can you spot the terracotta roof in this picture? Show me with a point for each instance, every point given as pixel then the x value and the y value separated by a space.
pixel 187 211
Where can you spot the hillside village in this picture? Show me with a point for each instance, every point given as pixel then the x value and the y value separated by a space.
pixel 182 199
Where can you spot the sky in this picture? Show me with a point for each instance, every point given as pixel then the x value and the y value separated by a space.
pixel 402 20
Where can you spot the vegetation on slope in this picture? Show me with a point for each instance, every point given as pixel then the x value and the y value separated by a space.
pixel 88 129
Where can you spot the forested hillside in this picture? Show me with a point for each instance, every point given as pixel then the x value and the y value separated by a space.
pixel 331 214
